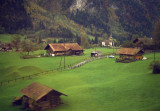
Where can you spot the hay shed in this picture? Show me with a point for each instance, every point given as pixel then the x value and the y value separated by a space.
pixel 96 53
pixel 38 97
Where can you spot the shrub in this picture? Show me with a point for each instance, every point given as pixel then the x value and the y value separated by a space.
pixel 155 66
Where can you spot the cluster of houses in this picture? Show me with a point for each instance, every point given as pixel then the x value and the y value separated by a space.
pixel 37 97
pixel 5 47
pixel 136 53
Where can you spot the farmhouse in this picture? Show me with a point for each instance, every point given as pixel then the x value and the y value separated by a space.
pixel 6 47
pixel 63 49
pixel 108 42
pixel 144 43
pixel 96 53
pixel 38 97
pixel 130 54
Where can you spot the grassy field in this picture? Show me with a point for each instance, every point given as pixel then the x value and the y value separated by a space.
pixel 6 38
pixel 12 66
pixel 101 85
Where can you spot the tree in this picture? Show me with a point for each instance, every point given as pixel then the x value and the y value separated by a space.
pixel 134 36
pixel 16 41
pixel 127 44
pixel 78 39
pixel 28 46
pixel 84 41
pixel 104 36
pixel 156 37
pixel 96 40
pixel 156 34
pixel 155 66
pixel 54 41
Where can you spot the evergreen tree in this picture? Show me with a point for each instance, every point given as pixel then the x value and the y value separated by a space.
pixel 84 41
pixel 16 42
pixel 96 40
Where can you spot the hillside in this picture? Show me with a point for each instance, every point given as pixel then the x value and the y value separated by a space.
pixel 72 18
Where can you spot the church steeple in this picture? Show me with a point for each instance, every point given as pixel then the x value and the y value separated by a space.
pixel 111 38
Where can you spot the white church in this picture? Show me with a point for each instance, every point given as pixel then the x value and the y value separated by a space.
pixel 109 42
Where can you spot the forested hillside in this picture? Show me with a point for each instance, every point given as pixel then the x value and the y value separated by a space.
pixel 74 18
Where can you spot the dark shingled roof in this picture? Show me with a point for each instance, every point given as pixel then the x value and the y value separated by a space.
pixel 64 46
pixel 36 91
pixel 128 51
pixel 145 41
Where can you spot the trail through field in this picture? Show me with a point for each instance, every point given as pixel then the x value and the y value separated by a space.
pixel 86 61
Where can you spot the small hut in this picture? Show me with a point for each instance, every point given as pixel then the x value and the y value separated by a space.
pixel 96 53
pixel 38 97
pixel 130 54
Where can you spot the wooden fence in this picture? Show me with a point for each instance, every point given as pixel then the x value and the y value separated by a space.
pixel 2 83
pixel 71 66
pixel 88 60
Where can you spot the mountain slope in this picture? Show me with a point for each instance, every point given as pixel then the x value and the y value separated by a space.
pixel 63 18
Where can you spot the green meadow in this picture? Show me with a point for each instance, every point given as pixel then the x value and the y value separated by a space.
pixel 7 38
pixel 101 85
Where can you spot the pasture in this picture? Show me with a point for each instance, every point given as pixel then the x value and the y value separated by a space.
pixel 7 38
pixel 101 85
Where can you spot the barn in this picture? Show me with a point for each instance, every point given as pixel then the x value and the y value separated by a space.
pixel 145 43
pixel 130 54
pixel 96 53
pixel 37 97
pixel 63 49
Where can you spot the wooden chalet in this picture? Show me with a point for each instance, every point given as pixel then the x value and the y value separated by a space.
pixel 130 53
pixel 96 53
pixel 37 97
pixel 144 43
pixel 63 49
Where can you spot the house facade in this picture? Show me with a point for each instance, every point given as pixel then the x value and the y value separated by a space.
pixel 58 49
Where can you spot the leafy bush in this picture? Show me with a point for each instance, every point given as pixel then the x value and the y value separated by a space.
pixel 155 66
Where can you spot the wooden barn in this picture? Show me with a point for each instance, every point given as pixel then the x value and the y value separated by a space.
pixel 130 53
pixel 96 53
pixel 63 49
pixel 144 43
pixel 37 97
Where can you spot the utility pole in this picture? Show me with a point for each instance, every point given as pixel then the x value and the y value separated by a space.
pixel 64 58
pixel 154 50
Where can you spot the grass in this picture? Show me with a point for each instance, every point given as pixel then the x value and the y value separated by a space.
pixel 12 66
pixel 101 85
pixel 7 38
